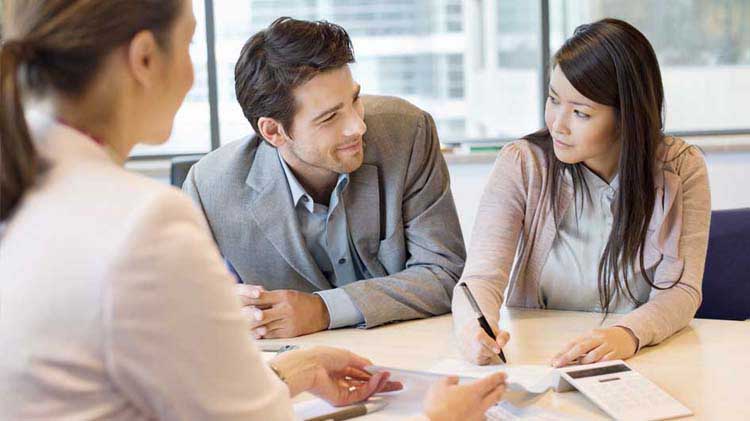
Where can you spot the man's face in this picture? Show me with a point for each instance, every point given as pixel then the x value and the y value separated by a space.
pixel 327 129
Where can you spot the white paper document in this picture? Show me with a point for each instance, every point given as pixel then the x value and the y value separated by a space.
pixel 516 405
pixel 402 404
pixel 506 411
pixel 407 403
pixel 521 378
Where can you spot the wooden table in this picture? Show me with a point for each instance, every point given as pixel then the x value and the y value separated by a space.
pixel 706 366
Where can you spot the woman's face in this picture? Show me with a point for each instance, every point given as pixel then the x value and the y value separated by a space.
pixel 581 129
pixel 175 78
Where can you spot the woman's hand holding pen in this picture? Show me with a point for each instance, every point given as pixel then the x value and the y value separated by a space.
pixel 477 346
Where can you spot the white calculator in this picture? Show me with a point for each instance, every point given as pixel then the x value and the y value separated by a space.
pixel 621 392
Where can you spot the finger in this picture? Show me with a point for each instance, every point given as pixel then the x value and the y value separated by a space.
pixel 493 397
pixel 252 314
pixel 259 333
pixel 391 387
pixel 276 330
pixel 267 298
pixel 562 358
pixel 503 337
pixel 346 382
pixel 486 385
pixel 612 355
pixel 474 352
pixel 568 346
pixel 258 317
pixel 449 381
pixel 248 290
pixel 487 347
pixel 386 385
pixel 356 373
pixel 247 301
pixel 356 394
pixel 596 354
pixel 577 351
pixel 486 360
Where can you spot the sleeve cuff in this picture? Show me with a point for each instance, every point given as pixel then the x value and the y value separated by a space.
pixel 633 330
pixel 341 308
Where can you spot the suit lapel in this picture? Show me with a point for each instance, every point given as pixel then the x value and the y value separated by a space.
pixel 271 206
pixel 362 201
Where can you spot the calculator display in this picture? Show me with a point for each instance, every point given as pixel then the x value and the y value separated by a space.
pixel 591 372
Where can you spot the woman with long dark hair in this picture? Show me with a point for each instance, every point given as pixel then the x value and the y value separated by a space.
pixel 600 211
pixel 114 301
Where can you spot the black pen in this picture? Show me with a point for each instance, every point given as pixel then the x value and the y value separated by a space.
pixel 481 319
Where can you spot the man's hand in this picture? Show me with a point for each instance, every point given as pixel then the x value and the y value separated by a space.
pixel 282 313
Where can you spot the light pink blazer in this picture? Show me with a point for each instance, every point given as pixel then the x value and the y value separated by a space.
pixel 514 222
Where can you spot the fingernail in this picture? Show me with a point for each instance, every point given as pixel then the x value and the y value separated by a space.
pixel 496 350
pixel 258 315
pixel 254 293
pixel 261 331
pixel 555 363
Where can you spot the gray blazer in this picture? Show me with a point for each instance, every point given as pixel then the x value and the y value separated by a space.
pixel 399 205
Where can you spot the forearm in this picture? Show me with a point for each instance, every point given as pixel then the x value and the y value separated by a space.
pixel 416 292
pixel 663 315
pixel 487 296
pixel 495 237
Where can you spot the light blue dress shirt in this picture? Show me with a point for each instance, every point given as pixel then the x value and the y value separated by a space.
pixel 326 233
pixel 570 274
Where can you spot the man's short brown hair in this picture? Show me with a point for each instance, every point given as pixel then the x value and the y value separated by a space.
pixel 282 57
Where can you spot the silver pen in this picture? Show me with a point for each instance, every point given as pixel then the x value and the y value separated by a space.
pixel 277 348
pixel 352 411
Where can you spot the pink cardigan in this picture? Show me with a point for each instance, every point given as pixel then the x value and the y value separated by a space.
pixel 514 224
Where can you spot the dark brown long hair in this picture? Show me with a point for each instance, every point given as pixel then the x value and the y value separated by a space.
pixel 59 45
pixel 612 63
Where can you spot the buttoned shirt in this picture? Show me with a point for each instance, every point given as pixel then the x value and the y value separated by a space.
pixel 326 234
pixel 569 277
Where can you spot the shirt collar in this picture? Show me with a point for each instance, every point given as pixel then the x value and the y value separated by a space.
pixel 300 194
pixel 593 181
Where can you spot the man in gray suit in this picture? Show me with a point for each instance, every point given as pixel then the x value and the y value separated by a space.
pixel 338 210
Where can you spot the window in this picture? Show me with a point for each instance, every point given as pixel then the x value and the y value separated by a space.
pixel 475 65
pixel 703 47
pixel 415 49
